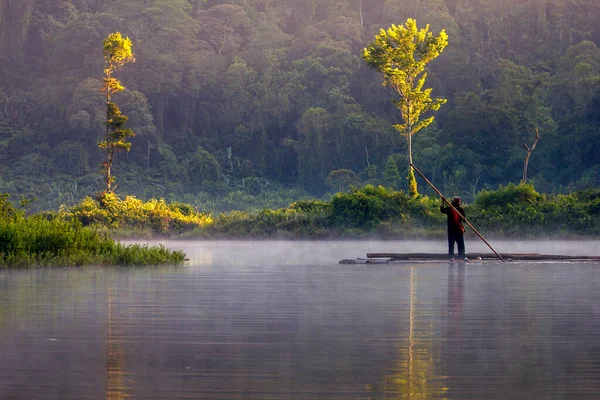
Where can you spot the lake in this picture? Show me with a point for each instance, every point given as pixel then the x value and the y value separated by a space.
pixel 283 320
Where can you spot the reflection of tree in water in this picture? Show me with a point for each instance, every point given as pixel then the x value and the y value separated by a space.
pixel 117 377
pixel 415 378
pixel 456 300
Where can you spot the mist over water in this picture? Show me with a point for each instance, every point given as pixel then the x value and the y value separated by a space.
pixel 282 253
pixel 283 320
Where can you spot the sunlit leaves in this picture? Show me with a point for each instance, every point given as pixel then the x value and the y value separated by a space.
pixel 117 52
pixel 400 54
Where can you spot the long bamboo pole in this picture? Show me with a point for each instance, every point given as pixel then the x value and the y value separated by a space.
pixel 462 216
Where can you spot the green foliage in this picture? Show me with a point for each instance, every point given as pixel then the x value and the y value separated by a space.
pixel 283 223
pixel 7 211
pixel 341 179
pixel 391 174
pixel 400 54
pixel 311 206
pixel 202 168
pixel 511 210
pixel 510 194
pixel 117 52
pixel 365 208
pixel 520 210
pixel 154 216
pixel 368 211
pixel 412 182
pixel 44 240
pixel 70 156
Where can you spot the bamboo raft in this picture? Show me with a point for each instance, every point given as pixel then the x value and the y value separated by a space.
pixel 383 258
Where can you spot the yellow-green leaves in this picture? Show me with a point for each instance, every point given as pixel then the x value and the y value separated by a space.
pixel 117 52
pixel 400 54
pixel 111 86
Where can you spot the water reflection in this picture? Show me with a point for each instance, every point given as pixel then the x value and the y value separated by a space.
pixel 456 299
pixel 117 377
pixel 419 371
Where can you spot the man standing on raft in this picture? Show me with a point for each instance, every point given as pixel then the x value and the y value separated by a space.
pixel 456 229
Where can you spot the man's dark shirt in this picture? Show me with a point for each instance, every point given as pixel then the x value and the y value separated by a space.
pixel 454 220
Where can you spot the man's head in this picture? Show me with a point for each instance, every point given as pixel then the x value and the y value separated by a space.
pixel 456 201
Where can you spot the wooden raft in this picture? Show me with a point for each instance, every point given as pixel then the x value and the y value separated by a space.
pixel 380 258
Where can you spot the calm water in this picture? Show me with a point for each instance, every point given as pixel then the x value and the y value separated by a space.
pixel 282 320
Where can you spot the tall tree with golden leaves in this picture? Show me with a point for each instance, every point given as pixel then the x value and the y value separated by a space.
pixel 117 52
pixel 400 54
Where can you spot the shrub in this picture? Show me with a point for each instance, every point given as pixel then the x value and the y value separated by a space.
pixel 36 240
pixel 510 194
pixel 134 214
pixel 367 207
pixel 311 206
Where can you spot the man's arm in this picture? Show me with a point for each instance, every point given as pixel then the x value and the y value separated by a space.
pixel 443 208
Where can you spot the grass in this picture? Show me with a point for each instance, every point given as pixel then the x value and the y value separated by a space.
pixel 46 240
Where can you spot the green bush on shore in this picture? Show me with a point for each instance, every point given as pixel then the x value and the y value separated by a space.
pixel 45 240
pixel 512 210
pixel 366 208
pixel 155 216
pixel 374 211
pixel 283 223
pixel 520 210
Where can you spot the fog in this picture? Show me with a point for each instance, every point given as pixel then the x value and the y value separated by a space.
pixel 322 253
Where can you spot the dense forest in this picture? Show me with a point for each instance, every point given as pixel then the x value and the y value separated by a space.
pixel 257 96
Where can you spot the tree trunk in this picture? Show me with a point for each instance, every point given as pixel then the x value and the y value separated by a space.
pixel 529 150
pixel 525 167
pixel 109 160
pixel 360 10
pixel 412 181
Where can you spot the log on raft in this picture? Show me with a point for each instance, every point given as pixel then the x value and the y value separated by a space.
pixel 482 256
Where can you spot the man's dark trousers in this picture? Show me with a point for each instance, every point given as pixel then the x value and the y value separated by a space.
pixel 459 239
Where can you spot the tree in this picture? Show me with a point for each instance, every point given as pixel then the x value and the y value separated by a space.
pixel 400 54
pixel 529 150
pixel 312 147
pixel 341 179
pixel 117 52
pixel 202 168
pixel 391 175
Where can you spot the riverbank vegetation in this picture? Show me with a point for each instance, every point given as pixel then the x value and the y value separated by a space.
pixel 376 212
pixel 367 212
pixel 82 234
pixel 133 217
pixel 47 240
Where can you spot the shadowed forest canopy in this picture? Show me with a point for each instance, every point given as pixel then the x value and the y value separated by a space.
pixel 258 95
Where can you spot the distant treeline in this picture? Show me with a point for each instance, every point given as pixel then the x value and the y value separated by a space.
pixel 256 96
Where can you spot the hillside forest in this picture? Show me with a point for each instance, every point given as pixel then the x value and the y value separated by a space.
pixel 237 100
